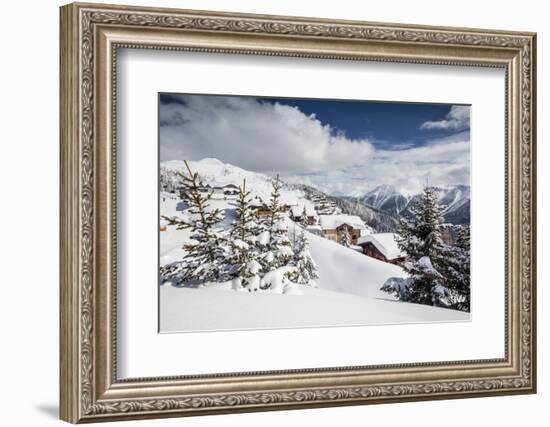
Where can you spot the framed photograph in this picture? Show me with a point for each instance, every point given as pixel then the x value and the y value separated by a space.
pixel 311 212
pixel 266 212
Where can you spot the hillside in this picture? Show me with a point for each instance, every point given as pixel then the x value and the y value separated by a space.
pixel 348 294
pixel 349 282
pixel 217 173
pixel 377 219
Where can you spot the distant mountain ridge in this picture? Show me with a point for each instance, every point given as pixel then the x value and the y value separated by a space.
pixel 380 208
pixel 453 200
pixel 386 198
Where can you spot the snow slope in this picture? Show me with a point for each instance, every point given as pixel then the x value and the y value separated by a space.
pixel 349 284
pixel 211 309
pixel 344 270
pixel 349 294
pixel 217 173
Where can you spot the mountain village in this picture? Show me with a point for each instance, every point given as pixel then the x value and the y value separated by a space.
pixel 320 216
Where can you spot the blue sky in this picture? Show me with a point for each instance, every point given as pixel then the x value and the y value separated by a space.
pixel 375 121
pixel 342 147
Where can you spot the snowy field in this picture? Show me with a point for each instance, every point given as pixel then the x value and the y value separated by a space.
pixel 349 282
pixel 211 309
pixel 348 294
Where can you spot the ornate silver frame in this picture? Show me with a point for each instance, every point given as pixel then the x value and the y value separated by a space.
pixel 90 36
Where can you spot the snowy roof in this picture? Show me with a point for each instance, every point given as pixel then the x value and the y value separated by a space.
pixel 299 210
pixel 334 221
pixel 221 185
pixel 384 242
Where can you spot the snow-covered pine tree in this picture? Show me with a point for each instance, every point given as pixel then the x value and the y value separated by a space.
pixel 278 249
pixel 420 238
pixel 453 261
pixel 419 235
pixel 344 237
pixel 275 206
pixel 306 270
pixel 244 238
pixel 245 226
pixel 427 284
pixel 205 258
pixel 463 237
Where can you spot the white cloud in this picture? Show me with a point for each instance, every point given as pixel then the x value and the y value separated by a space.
pixel 441 162
pixel 458 118
pixel 275 138
pixel 262 137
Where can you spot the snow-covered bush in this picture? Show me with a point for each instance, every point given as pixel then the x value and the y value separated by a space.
pixel 398 286
pixel 425 285
pixel 277 280
pixel 306 270
pixel 251 276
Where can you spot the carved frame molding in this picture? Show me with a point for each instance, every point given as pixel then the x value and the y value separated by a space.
pixel 90 37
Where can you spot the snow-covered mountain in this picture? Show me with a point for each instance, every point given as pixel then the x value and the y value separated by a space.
pixel 216 173
pixel 386 198
pixel 453 200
